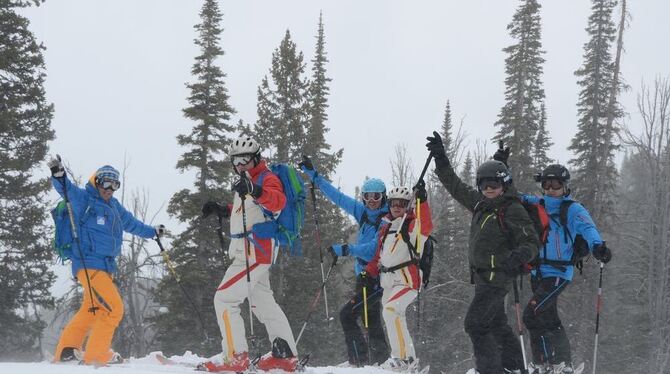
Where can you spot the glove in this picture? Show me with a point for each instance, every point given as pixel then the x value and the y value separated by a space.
pixel 502 154
pixel 213 207
pixel 420 190
pixel 245 187
pixel 160 230
pixel 56 167
pixel 339 249
pixel 513 265
pixel 307 167
pixel 602 253
pixel 436 147
pixel 367 280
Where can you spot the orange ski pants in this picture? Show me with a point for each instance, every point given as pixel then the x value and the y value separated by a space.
pixel 99 327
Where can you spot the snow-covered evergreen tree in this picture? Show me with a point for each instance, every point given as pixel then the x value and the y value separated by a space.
pixel 200 260
pixel 25 129
pixel 519 118
pixel 542 143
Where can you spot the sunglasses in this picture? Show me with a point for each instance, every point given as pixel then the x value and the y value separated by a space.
pixel 372 196
pixel 490 183
pixel 552 184
pixel 110 184
pixel 242 159
pixel 398 203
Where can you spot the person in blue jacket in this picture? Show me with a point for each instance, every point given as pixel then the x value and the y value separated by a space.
pixel 368 214
pixel 100 222
pixel 554 271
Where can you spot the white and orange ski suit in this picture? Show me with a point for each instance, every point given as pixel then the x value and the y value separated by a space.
pixel 233 289
pixel 401 285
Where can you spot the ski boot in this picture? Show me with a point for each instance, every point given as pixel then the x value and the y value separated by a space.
pixel 116 359
pixel 280 357
pixel 70 354
pixel 564 368
pixel 239 363
pixel 538 369
pixel 409 365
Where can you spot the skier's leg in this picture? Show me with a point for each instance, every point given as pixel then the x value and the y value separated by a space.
pixel 396 301
pixel 485 306
pixel 229 295
pixel 511 356
pixel 534 323
pixel 353 334
pixel 268 311
pixel 77 329
pixel 108 316
pixel 378 348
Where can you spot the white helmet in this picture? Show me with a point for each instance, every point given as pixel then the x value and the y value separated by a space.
pixel 402 193
pixel 244 145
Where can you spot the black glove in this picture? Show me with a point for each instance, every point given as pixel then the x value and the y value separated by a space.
pixel 56 167
pixel 420 190
pixel 367 280
pixel 213 207
pixel 602 253
pixel 339 250
pixel 513 265
pixel 307 167
pixel 160 230
pixel 502 154
pixel 245 187
pixel 436 147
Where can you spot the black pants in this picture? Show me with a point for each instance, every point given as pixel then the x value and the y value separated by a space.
pixel 357 348
pixel 548 339
pixel 494 343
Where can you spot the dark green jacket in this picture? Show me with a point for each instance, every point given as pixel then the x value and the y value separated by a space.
pixel 492 239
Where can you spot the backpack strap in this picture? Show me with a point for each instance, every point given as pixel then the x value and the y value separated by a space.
pixel 404 234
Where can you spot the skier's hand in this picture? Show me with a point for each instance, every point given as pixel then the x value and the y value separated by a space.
pixel 502 154
pixel 213 207
pixel 307 167
pixel 56 167
pixel 245 187
pixel 339 249
pixel 436 147
pixel 513 265
pixel 160 230
pixel 602 253
pixel 420 190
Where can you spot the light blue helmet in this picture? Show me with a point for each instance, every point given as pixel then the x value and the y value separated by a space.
pixel 373 185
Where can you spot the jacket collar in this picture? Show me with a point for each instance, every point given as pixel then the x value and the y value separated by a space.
pixel 258 169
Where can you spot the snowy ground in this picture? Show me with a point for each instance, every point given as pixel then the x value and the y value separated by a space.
pixel 149 365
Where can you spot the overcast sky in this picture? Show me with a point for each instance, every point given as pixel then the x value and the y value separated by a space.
pixel 116 72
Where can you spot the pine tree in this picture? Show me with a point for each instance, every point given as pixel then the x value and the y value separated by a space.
pixel 442 205
pixel 519 117
pixel 542 143
pixel 594 169
pixel 199 259
pixel 283 112
pixel 25 129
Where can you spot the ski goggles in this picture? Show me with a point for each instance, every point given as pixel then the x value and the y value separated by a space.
pixel 240 160
pixel 398 203
pixel 109 184
pixel 489 183
pixel 372 196
pixel 552 184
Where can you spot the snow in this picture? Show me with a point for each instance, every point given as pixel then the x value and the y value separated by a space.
pixel 150 365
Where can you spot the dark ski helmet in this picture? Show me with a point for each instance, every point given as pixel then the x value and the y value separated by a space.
pixel 554 171
pixel 493 169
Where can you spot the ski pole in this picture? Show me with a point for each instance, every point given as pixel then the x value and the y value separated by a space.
pixel 599 301
pixel 75 236
pixel 518 324
pixel 312 306
pixel 318 243
pixel 173 271
pixel 246 261
pixel 366 332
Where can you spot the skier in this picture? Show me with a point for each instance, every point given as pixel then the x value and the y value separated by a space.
pixel 499 246
pixel 396 259
pixel 555 267
pixel 368 214
pixel 100 222
pixel 248 276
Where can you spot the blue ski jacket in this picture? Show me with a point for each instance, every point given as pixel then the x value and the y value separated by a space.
pixel 100 226
pixel 368 221
pixel 559 245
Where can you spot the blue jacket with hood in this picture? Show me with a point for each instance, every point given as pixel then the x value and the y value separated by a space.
pixel 558 245
pixel 100 225
pixel 366 244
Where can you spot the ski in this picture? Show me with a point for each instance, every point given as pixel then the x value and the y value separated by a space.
pixel 163 360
